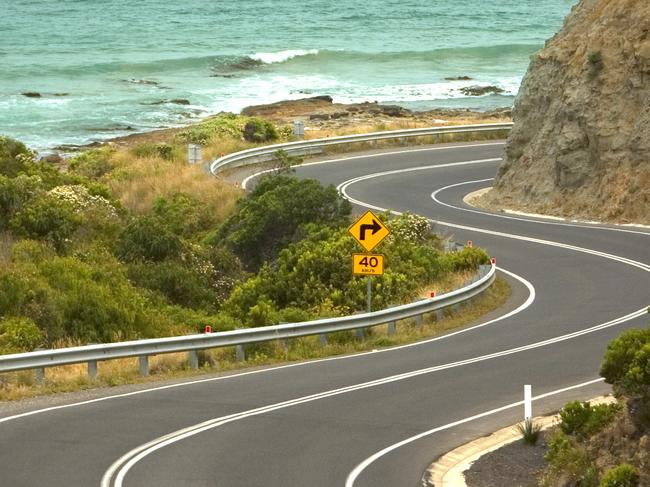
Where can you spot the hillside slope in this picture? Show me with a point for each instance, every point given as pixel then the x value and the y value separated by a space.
pixel 581 141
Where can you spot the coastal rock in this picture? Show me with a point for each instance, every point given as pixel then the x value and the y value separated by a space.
pixel 32 94
pixel 476 90
pixel 459 78
pixel 580 145
pixel 52 159
pixel 174 101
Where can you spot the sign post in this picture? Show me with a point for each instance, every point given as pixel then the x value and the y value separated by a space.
pixel 368 231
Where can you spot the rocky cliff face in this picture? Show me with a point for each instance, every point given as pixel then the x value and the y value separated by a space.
pixel 581 141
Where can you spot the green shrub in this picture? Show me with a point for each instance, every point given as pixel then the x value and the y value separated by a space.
pixel 184 215
pixel 258 130
pixel 14 194
pixel 13 156
pixel 147 238
pixel 595 57
pixel 225 125
pixel 470 258
pixel 19 335
pixel 179 283
pixel 626 366
pixel 272 215
pixel 411 228
pixel 93 163
pixel 48 218
pixel 569 461
pixel 583 420
pixel 624 475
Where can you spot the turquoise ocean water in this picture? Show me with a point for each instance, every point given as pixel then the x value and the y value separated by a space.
pixel 109 67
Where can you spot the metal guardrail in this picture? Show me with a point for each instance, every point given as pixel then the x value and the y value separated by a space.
pixel 91 354
pixel 315 146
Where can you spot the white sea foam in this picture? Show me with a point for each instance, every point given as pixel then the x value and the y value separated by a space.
pixel 282 56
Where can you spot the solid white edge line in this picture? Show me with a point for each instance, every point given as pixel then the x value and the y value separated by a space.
pixel 352 477
pixel 392 153
pixel 592 226
pixel 119 469
pixel 526 304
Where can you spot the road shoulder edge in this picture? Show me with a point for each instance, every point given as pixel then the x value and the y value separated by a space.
pixel 449 469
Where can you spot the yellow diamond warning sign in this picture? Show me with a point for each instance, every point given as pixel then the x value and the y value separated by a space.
pixel 369 231
pixel 367 264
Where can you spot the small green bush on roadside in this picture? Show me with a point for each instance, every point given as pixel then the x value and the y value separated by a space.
pixel 624 475
pixel 583 420
pixel 164 151
pixel 568 460
pixel 529 431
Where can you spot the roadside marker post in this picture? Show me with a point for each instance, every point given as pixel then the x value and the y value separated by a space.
pixel 528 402
pixel 194 154
pixel 208 329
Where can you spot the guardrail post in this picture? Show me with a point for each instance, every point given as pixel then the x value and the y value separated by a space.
pixel 240 354
pixel 40 375
pixel 323 339
pixel 361 333
pixel 143 361
pixel 440 314
pixel 92 369
pixel 392 328
pixel 418 321
pixel 193 357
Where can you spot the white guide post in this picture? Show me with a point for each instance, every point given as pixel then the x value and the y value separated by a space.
pixel 528 402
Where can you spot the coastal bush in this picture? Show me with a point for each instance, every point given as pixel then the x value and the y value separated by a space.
pixel 569 461
pixel 184 215
pixel 19 334
pixel 273 213
pixel 582 419
pixel 258 130
pixel 224 125
pixel 626 366
pixel 313 274
pixel 48 218
pixel 14 193
pixel 467 259
pixel 147 238
pixel 92 163
pixel 624 475
pixel 179 283
pixel 13 155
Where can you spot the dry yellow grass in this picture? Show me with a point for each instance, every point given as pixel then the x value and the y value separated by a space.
pixel 138 182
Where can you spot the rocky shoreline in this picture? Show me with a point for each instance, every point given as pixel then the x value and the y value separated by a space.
pixel 322 117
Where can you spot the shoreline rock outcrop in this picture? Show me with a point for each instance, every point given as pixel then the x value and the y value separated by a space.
pixel 580 145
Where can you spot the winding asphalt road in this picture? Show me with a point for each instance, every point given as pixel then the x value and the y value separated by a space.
pixel 373 419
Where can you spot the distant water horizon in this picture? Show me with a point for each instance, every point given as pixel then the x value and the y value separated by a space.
pixel 108 69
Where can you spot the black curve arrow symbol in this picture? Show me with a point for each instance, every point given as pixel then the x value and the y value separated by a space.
pixel 375 227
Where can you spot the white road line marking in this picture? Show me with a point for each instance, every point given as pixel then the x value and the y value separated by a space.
pixel 593 226
pixel 352 477
pixel 523 306
pixel 121 467
pixel 341 159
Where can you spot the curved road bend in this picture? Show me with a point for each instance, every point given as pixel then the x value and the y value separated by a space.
pixel 340 421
